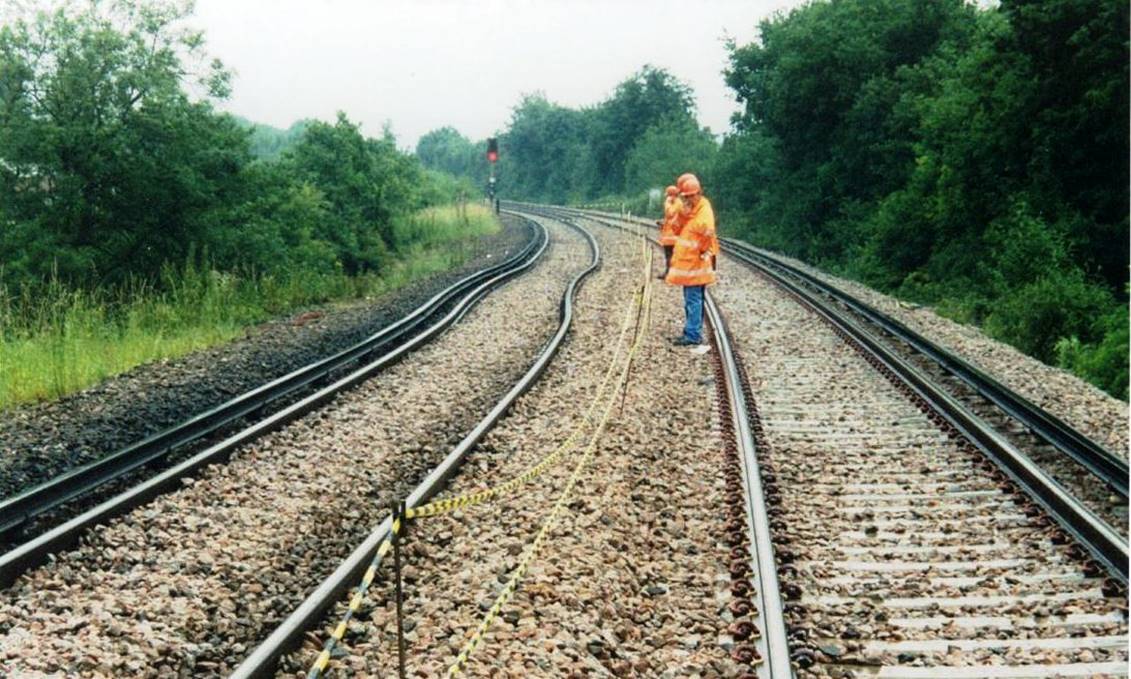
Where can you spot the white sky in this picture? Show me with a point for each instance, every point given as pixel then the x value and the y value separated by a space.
pixel 428 63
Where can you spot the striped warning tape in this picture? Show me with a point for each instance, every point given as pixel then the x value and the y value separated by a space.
pixel 323 659
pixel 447 505
pixel 641 299
pixel 512 584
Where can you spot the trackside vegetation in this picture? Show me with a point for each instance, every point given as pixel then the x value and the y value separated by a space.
pixel 973 158
pixel 137 222
pixel 59 339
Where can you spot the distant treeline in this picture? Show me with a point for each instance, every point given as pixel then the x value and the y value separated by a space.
pixel 110 171
pixel 627 144
pixel 973 159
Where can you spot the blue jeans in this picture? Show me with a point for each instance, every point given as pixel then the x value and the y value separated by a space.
pixel 693 308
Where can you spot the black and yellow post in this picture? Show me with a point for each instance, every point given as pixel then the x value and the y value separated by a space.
pixel 400 525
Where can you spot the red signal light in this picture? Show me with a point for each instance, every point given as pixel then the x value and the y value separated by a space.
pixel 492 156
pixel 492 149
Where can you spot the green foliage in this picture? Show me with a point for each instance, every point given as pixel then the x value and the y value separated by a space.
pixel 268 143
pixel 1035 315
pixel 671 143
pixel 56 339
pixel 1103 363
pixel 103 153
pixel 561 155
pixel 975 159
pixel 446 150
pixel 648 98
pixel 110 173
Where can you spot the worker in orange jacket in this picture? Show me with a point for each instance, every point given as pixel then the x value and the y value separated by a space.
pixel 669 227
pixel 695 256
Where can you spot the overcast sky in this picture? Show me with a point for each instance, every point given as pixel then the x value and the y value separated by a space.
pixel 424 64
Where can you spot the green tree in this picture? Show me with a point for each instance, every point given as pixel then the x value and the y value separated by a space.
pixel 972 158
pixel 366 183
pixel 647 98
pixel 542 154
pixel 103 158
pixel 668 148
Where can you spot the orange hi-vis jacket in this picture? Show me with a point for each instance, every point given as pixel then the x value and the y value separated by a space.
pixel 673 209
pixel 695 247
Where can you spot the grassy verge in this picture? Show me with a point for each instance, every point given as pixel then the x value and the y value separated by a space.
pixel 55 341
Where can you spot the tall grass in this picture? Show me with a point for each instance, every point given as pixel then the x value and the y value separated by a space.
pixel 55 340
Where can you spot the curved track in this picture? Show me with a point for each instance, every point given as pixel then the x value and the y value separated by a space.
pixel 264 658
pixel 205 571
pixel 22 514
pixel 395 341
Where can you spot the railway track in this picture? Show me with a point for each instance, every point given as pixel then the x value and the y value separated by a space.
pixel 1078 480
pixel 802 501
pixel 188 583
pixel 652 586
pixel 911 540
pixel 1070 458
pixel 263 661
pixel 50 516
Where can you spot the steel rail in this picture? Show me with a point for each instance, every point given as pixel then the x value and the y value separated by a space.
pixel 36 550
pixel 1101 540
pixel 17 510
pixel 773 644
pixel 263 660
pixel 1101 462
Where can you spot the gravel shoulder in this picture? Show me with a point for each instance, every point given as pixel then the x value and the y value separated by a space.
pixel 187 584
pixel 38 442
pixel 1096 414
pixel 630 580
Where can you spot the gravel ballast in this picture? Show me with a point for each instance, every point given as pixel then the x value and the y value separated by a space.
pixel 1094 413
pixel 187 584
pixel 905 553
pixel 632 581
pixel 38 442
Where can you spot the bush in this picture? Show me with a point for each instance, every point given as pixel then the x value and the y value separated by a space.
pixel 1103 363
pixel 1034 317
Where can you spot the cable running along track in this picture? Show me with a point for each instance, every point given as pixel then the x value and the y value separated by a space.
pixel 1022 563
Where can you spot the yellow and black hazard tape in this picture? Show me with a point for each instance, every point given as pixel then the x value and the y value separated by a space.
pixel 512 584
pixel 448 505
pixel 641 304
pixel 323 659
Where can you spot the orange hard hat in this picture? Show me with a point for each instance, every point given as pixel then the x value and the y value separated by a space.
pixel 672 191
pixel 683 176
pixel 689 185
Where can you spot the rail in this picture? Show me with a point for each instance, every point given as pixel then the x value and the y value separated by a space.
pixel 35 551
pixel 366 557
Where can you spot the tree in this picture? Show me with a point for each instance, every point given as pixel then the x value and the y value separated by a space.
pixel 645 99
pixel 669 147
pixel 103 153
pixel 976 158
